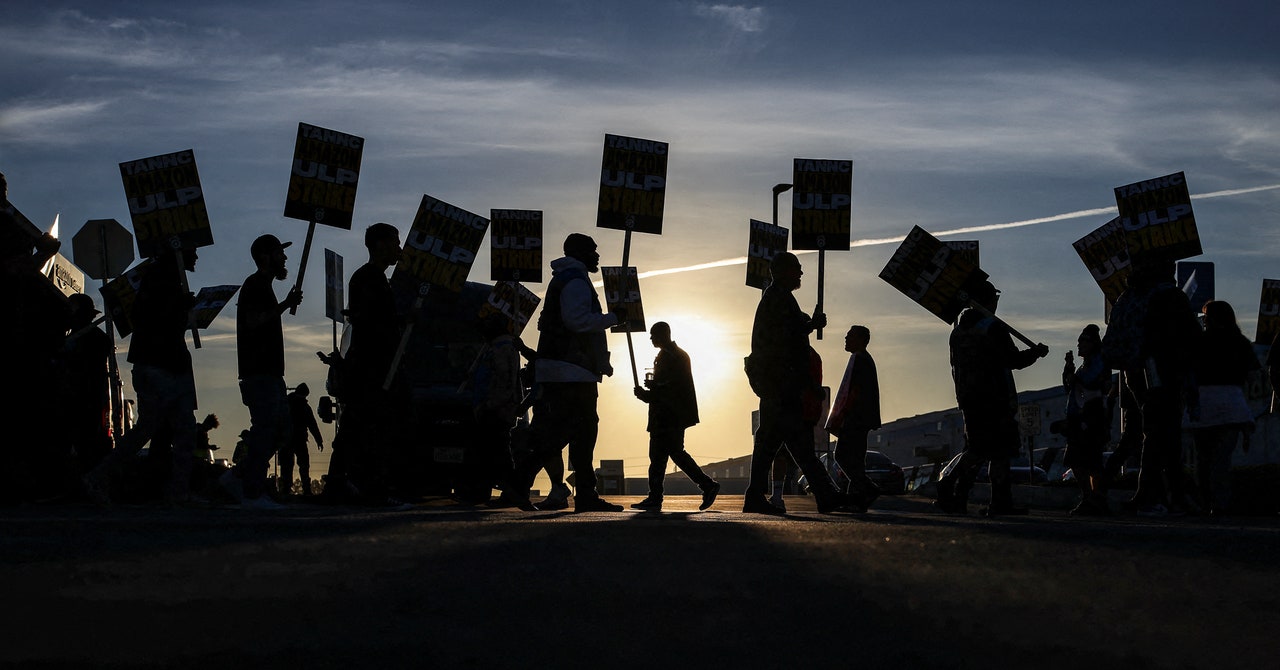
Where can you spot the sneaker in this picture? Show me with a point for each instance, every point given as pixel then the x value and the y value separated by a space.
pixel 594 505
pixel 1156 510
pixel 231 485
pixel 838 502
pixel 557 499
pixel 550 504
pixel 869 496
pixel 262 503
pixel 709 495
pixel 508 499
pixel 778 502
pixel 649 503
pixel 761 505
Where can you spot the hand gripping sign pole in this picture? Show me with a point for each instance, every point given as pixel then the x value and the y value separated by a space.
pixel 820 211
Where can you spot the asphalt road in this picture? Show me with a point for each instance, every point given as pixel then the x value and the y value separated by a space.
pixel 449 587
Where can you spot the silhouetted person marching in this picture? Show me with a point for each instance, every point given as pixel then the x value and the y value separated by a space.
pixel 855 412
pixel 673 407
pixel 354 471
pixel 260 352
pixel 573 357
pixel 779 362
pixel 1151 339
pixel 983 358
pixel 162 377
pixel 303 421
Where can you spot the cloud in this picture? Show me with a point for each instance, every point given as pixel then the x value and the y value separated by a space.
pixel 737 17
pixel 45 122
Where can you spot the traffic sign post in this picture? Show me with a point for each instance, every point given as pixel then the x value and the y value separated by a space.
pixel 103 249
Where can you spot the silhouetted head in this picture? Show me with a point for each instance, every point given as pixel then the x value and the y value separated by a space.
pixel 583 248
pixel 303 390
pixel 1219 315
pixel 82 308
pixel 986 294
pixel 1089 342
pixel 4 187
pixel 1148 270
pixel 383 242
pixel 857 339
pixel 268 255
pixel 210 422
pixel 660 334
pixel 169 260
pixel 786 271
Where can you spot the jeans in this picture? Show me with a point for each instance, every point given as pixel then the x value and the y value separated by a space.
pixel 565 415
pixel 670 444
pixel 165 400
pixel 269 428
pixel 851 454
pixel 781 424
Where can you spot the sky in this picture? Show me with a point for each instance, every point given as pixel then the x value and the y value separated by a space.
pixel 957 116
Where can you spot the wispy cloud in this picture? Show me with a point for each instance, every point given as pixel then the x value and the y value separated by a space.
pixel 737 17
pixel 36 122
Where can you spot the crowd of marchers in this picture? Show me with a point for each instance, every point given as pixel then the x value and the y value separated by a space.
pixel 1164 365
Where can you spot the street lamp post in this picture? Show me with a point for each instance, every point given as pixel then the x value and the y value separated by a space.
pixel 778 189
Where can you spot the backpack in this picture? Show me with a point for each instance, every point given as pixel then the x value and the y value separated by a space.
pixel 762 376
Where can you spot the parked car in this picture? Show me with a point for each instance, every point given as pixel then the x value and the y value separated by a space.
pixel 885 473
pixel 1020 471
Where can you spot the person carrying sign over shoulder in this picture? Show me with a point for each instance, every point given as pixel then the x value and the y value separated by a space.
pixel 673 407
pixel 162 377
pixel 573 357
pixel 983 358
pixel 260 353
pixel 778 373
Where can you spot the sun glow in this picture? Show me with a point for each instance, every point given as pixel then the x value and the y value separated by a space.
pixel 705 342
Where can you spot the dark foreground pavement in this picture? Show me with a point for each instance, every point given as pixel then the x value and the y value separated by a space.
pixel 438 586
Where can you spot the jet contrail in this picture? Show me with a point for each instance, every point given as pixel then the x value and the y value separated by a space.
pixel 1079 214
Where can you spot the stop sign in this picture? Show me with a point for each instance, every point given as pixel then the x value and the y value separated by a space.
pixel 96 236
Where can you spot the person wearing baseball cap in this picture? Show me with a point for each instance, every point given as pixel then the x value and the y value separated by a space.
pixel 260 355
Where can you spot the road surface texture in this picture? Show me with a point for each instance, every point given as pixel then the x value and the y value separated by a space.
pixel 439 586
